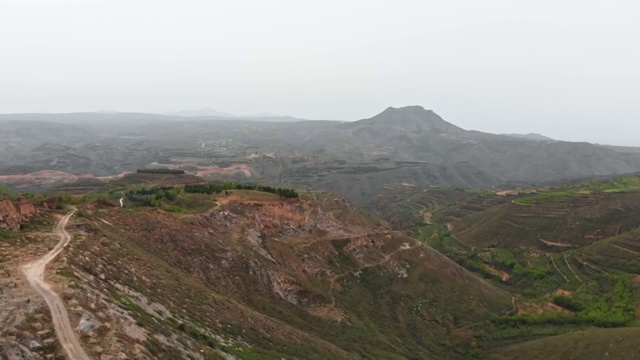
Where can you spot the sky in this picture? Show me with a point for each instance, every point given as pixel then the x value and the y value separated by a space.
pixel 566 69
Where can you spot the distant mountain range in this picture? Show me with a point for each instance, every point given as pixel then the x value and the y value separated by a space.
pixel 200 112
pixel 409 144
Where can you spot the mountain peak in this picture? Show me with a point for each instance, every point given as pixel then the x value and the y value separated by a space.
pixel 411 109
pixel 415 119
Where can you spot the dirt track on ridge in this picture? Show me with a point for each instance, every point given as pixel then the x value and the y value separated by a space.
pixel 34 272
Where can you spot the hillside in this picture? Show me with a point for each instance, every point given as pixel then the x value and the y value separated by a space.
pixel 257 276
pixel 165 265
pixel 614 344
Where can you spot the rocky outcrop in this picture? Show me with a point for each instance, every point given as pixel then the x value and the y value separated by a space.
pixel 12 215
pixel 287 288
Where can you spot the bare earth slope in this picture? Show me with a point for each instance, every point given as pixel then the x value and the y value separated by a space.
pixel 282 278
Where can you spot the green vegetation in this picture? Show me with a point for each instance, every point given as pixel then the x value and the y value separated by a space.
pixel 65 199
pixel 4 192
pixel 569 303
pixel 601 300
pixel 153 197
pixel 191 198
pixel 584 188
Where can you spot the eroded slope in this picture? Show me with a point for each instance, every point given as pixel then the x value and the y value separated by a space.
pixel 279 278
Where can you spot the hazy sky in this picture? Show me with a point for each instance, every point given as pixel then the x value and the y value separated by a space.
pixel 566 69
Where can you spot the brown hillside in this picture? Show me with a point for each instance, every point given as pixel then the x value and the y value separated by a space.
pixel 333 278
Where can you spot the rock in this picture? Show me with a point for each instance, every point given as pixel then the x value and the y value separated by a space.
pixel 26 209
pixel 286 287
pixel 7 208
pixel 87 323
pixel 9 216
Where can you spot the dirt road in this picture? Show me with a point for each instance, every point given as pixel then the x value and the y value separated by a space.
pixel 35 276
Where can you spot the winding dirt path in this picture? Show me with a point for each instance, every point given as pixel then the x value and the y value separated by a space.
pixel 347 237
pixel 626 250
pixel 35 276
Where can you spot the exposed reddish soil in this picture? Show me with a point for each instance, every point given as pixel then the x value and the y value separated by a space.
pixel 227 199
pixel 528 308
pixel 283 246
pixel 233 169
pixel 13 214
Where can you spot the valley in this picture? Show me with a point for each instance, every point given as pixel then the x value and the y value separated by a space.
pixel 396 237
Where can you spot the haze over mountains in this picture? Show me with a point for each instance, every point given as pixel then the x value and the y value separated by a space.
pixel 408 144
pixel 200 112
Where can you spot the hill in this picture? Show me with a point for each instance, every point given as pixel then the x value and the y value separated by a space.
pixel 567 253
pixel 250 274
pixel 164 265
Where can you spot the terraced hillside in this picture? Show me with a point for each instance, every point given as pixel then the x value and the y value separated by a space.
pixel 555 224
pixel 570 256
pixel 407 206
pixel 614 344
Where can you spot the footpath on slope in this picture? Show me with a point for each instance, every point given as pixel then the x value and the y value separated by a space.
pixel 34 272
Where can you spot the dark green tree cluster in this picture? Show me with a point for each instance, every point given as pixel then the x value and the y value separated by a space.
pixel 217 188
pixel 152 196
pixel 569 303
